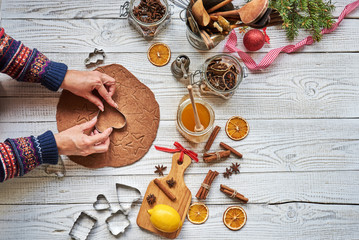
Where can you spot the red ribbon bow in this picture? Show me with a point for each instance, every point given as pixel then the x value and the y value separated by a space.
pixel 266 37
pixel 179 148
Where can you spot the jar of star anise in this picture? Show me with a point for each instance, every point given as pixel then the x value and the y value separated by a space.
pixel 220 75
pixel 148 17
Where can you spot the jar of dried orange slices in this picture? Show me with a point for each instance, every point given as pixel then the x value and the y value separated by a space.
pixel 220 75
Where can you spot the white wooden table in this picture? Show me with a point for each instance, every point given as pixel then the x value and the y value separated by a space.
pixel 301 157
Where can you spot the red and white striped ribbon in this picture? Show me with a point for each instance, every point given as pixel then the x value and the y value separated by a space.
pixel 273 54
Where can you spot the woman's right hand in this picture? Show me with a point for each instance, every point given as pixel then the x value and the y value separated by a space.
pixel 74 141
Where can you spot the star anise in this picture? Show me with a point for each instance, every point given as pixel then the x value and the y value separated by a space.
pixel 228 173
pixel 235 168
pixel 151 199
pixel 171 182
pixel 160 169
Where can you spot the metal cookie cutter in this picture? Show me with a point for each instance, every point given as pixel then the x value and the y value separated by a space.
pixel 180 67
pixel 102 55
pixel 121 124
pixel 82 226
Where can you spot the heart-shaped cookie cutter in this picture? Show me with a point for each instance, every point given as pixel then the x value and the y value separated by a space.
pixel 117 127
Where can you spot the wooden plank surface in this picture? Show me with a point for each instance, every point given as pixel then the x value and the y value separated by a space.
pixel 325 87
pixel 300 168
pixel 59 9
pixel 339 187
pixel 284 221
pixel 116 35
pixel 271 146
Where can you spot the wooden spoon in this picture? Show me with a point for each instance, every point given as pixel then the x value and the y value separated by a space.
pixel 200 13
pixel 249 13
pixel 253 11
pixel 198 127
pixel 262 22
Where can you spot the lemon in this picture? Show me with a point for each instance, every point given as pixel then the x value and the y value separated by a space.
pixel 165 218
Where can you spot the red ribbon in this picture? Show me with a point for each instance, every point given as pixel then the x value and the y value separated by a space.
pixel 266 37
pixel 179 148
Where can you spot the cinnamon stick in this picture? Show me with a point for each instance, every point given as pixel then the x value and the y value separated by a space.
pixel 211 138
pixel 270 24
pixel 218 6
pixel 210 157
pixel 233 193
pixel 212 177
pixel 235 152
pixel 205 181
pixel 226 188
pixel 215 18
pixel 164 189
pixel 204 189
pixel 237 25
pixel 231 13
pixel 208 182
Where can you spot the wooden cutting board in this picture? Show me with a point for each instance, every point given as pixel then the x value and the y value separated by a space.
pixel 180 190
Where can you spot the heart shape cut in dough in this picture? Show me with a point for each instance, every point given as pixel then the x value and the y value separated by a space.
pixel 110 117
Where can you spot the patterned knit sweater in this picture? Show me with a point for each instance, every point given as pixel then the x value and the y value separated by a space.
pixel 20 155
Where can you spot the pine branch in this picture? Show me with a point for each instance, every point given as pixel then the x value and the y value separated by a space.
pixel 311 15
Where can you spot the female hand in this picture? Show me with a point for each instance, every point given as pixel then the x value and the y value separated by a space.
pixel 82 83
pixel 74 141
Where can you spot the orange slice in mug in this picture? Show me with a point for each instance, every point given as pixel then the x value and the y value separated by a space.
pixel 159 54
pixel 197 213
pixel 234 218
pixel 237 128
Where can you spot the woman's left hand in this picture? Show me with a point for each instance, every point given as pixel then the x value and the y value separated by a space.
pixel 82 83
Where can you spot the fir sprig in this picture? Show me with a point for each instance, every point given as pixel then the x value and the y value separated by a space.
pixel 312 15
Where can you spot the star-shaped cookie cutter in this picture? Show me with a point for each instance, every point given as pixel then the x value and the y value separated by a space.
pixel 100 59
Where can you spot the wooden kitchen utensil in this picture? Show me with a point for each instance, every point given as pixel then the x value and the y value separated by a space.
pixel 200 13
pixel 198 127
pixel 253 11
pixel 179 190
pixel 263 21
pixel 249 13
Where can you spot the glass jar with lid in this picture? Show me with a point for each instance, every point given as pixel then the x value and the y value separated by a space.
pixel 153 23
pixel 185 119
pixel 220 75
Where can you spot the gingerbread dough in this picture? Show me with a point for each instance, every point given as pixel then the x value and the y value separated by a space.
pixel 135 100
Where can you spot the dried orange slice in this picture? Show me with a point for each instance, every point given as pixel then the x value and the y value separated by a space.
pixel 197 213
pixel 237 128
pixel 159 54
pixel 234 218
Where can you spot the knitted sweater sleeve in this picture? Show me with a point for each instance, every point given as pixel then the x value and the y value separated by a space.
pixel 20 155
pixel 29 65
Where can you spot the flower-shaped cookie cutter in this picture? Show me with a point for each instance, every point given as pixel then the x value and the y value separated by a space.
pixel 101 57
pixel 121 124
